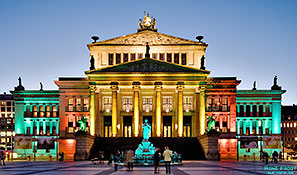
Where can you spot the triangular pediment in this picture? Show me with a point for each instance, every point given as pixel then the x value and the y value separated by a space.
pixel 152 37
pixel 148 65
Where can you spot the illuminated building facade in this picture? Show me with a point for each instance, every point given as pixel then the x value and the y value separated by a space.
pixel 148 75
pixel 6 121
pixel 161 78
pixel 258 122
pixel 289 128
pixel 36 124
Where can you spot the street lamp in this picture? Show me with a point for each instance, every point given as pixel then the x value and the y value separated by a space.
pixel 11 140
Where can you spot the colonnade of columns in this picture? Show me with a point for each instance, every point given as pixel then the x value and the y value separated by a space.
pixel 158 109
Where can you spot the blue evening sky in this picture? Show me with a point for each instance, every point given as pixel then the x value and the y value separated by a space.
pixel 252 40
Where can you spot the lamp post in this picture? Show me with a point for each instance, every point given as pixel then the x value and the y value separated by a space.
pixel 11 140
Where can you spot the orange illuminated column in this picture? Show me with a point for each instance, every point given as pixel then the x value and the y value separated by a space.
pixel 180 116
pixel 114 88
pixel 136 87
pixel 92 110
pixel 233 114
pixel 202 110
pixel 158 87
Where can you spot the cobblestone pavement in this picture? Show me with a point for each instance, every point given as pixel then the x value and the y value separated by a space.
pixel 188 167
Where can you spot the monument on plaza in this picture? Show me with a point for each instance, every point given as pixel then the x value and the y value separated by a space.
pixel 146 150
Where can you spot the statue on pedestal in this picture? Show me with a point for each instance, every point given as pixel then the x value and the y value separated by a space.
pixel 146 130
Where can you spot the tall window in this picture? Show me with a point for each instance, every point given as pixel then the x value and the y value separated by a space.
pixel 217 103
pixel 241 110
pixel 55 111
pixel 188 104
pixel 147 104
pixel 184 59
pixel 70 125
pixel 127 104
pixel 140 55
pixel 209 104
pixel 225 104
pixel 167 104
pixel 70 104
pixel 48 111
pixel 41 110
pixel 169 57
pixel 154 55
pixel 254 111
pixel 110 59
pixel 107 104
pixel 248 110
pixel 176 58
pixel 132 56
pixel 118 58
pixel 161 56
pixel 261 111
pixel 78 104
pixel 34 111
pixel 125 57
pixel 86 104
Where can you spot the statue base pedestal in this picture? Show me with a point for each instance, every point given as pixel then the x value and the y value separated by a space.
pixel 144 154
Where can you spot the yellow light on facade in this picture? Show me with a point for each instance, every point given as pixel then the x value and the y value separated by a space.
pixel 295 124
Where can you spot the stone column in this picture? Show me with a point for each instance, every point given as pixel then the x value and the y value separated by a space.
pixel 114 88
pixel 158 108
pixel 136 87
pixel 180 110
pixel 57 127
pixel 92 110
pixel 202 110
pixel 276 117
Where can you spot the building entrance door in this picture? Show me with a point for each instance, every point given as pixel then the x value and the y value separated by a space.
pixel 149 118
pixel 107 126
pixel 187 126
pixel 127 120
pixel 167 126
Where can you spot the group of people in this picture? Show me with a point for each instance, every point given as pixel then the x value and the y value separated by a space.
pixel 167 154
pixel 264 156
pixel 119 157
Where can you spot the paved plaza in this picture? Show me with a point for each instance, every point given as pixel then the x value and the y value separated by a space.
pixel 188 167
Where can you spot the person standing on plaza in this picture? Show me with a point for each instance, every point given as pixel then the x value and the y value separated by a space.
pixel 116 160
pixel 274 156
pixel 280 156
pixel 266 156
pixel 167 159
pixel 2 156
pixel 129 159
pixel 157 157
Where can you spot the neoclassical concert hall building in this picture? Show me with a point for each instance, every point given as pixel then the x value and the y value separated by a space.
pixel 164 79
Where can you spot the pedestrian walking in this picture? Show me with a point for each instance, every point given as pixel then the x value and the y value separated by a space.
pixel 2 156
pixel 110 159
pixel 167 159
pixel 157 157
pixel 266 156
pixel 101 157
pixel 116 160
pixel 274 156
pixel 280 156
pixel 129 159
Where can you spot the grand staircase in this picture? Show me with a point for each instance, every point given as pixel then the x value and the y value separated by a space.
pixel 190 147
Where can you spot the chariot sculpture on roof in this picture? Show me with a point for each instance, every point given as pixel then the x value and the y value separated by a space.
pixel 148 22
